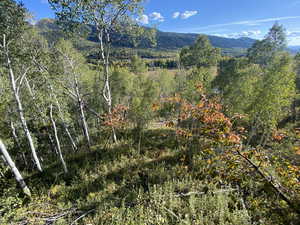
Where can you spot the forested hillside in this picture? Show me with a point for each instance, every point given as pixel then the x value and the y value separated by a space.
pixel 163 40
pixel 215 140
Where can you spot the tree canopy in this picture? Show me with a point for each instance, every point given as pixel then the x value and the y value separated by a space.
pixel 200 54
pixel 263 50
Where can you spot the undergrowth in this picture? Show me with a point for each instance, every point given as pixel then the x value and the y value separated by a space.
pixel 120 185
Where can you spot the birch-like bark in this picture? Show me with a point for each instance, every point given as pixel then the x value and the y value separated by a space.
pixel 11 164
pixel 80 101
pixel 105 54
pixel 20 107
pixel 57 140
pixel 16 139
pixel 63 123
pixel 60 114
pixel 81 109
pixel 52 145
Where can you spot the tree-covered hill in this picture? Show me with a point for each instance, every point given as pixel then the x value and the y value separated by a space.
pixel 165 40
pixel 171 40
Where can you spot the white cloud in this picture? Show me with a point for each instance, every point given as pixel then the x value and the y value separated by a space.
pixel 250 22
pixel 176 15
pixel 185 15
pixel 44 1
pixel 293 37
pixel 249 33
pixel 221 35
pixel 188 14
pixel 156 16
pixel 144 19
pixel 291 34
pixel 294 41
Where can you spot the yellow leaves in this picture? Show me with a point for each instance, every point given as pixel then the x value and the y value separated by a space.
pixel 297 131
pixel 199 87
pixel 155 107
pixel 297 150
pixel 238 116
pixel 170 124
pixel 183 133
pixel 293 168
pixel 200 105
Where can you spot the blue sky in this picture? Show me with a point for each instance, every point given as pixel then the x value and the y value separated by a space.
pixel 227 18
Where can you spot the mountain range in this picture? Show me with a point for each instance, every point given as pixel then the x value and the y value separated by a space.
pixel 164 40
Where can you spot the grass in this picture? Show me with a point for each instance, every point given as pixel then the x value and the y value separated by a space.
pixel 119 185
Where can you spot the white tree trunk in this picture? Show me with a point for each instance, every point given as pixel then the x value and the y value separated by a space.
pixel 20 109
pixel 105 54
pixel 52 145
pixel 65 125
pixel 62 120
pixel 57 140
pixel 79 100
pixel 11 164
pixel 81 110
pixel 15 136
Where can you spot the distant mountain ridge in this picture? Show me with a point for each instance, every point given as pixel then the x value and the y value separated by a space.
pixel 294 49
pixel 165 40
pixel 171 40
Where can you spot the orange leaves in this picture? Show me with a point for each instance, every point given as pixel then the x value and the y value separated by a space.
pixel 278 136
pixel 215 117
pixel 117 118
pixel 233 138
pixel 155 107
pixel 202 120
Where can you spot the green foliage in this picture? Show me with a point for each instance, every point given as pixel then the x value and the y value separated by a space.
pixel 196 76
pixel 122 83
pixel 201 54
pixel 12 19
pixel 166 83
pixel 297 70
pixel 163 207
pixel 137 65
pixel 107 16
pixel 171 40
pixel 192 171
pixel 144 94
pixel 277 37
pixel 237 82
pixel 263 51
pixel 276 91
pixel 10 203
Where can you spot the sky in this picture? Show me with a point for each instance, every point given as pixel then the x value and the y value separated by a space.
pixel 226 18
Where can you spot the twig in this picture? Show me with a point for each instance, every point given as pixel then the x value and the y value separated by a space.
pixel 83 215
pixel 173 214
pixel 202 193
pixel 271 181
